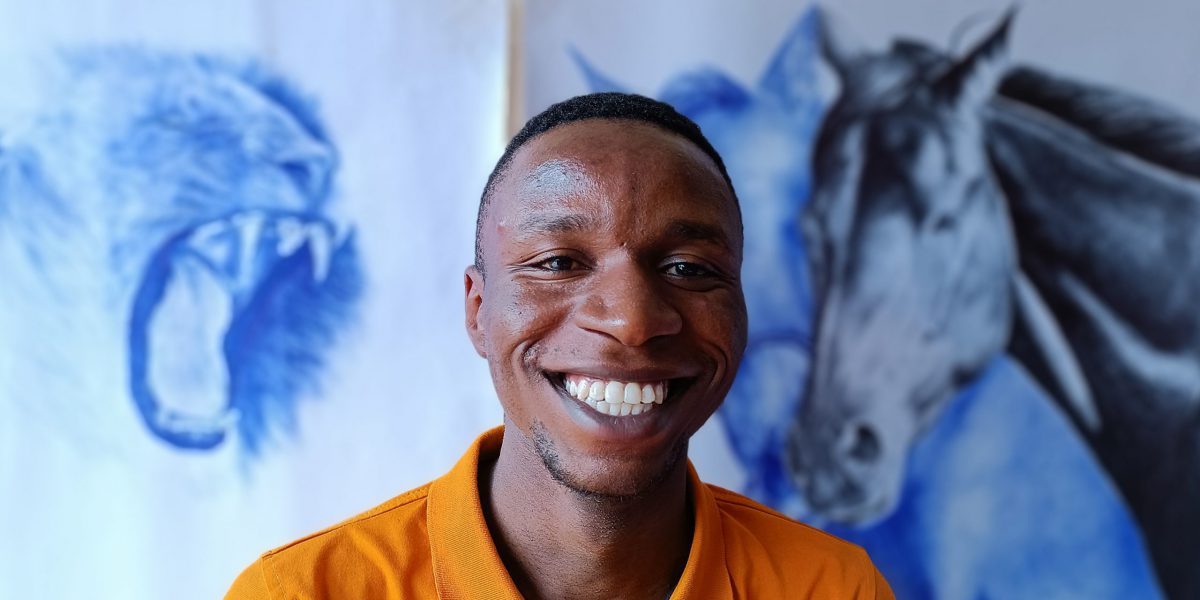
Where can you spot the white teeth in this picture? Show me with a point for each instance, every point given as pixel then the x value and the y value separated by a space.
pixel 291 236
pixel 234 245
pixel 615 398
pixel 249 228
pixel 633 393
pixel 341 232
pixel 614 392
pixel 205 233
pixel 215 246
pixel 321 249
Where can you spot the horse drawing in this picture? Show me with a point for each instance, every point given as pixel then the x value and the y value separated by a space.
pixel 962 209
pixel 963 529
pixel 764 133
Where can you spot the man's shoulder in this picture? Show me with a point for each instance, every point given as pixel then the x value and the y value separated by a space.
pixel 760 540
pixel 368 550
pixel 407 509
pixel 744 516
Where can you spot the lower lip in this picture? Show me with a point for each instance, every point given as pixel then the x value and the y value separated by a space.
pixel 608 427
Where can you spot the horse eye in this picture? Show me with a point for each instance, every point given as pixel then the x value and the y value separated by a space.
pixel 943 223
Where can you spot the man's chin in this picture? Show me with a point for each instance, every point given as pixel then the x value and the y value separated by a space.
pixel 601 477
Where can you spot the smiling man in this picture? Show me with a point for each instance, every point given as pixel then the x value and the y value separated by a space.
pixel 605 296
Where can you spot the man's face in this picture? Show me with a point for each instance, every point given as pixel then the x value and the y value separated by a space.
pixel 612 315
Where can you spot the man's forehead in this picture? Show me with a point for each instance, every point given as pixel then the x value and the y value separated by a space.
pixel 593 143
pixel 578 157
pixel 581 176
pixel 555 178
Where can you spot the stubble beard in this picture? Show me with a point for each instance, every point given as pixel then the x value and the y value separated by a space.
pixel 633 490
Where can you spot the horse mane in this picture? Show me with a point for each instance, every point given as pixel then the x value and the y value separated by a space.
pixel 1144 128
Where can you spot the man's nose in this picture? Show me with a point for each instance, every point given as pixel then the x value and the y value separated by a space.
pixel 628 305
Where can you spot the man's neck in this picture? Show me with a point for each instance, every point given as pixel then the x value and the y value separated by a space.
pixel 560 543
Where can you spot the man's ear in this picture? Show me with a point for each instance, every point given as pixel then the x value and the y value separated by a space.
pixel 473 281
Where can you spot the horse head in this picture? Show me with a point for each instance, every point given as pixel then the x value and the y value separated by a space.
pixel 911 258
pixel 764 131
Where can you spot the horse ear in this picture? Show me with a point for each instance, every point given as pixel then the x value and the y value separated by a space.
pixel 973 80
pixel 838 45
pixel 699 91
pixel 596 81
pixel 924 55
pixel 792 74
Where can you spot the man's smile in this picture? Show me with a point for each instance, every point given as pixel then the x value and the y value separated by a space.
pixel 616 397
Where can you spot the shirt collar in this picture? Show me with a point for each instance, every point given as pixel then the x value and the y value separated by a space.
pixel 705 575
pixel 466 563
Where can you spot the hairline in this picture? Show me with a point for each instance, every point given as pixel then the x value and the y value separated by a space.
pixel 501 170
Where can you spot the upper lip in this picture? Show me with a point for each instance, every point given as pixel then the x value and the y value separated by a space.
pixel 617 373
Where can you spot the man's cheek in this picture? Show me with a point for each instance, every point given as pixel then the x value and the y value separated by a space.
pixel 721 318
pixel 534 313
pixel 734 311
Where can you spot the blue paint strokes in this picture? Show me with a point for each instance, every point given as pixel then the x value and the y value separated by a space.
pixel 596 80
pixel 1002 500
pixel 266 387
pixel 205 184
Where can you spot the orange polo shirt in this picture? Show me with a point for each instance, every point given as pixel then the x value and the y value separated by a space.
pixel 433 542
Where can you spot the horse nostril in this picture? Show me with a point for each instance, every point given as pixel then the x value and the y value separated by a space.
pixel 864 445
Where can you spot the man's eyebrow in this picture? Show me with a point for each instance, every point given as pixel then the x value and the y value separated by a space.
pixel 678 230
pixel 553 223
pixel 695 230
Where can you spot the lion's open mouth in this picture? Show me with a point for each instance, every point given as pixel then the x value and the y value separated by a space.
pixel 187 315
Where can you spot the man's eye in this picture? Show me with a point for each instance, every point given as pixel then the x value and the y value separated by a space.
pixel 558 263
pixel 687 269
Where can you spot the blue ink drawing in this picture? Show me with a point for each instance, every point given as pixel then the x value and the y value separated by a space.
pixel 999 497
pixel 205 185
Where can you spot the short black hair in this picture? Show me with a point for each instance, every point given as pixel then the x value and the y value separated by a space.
pixel 602 105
